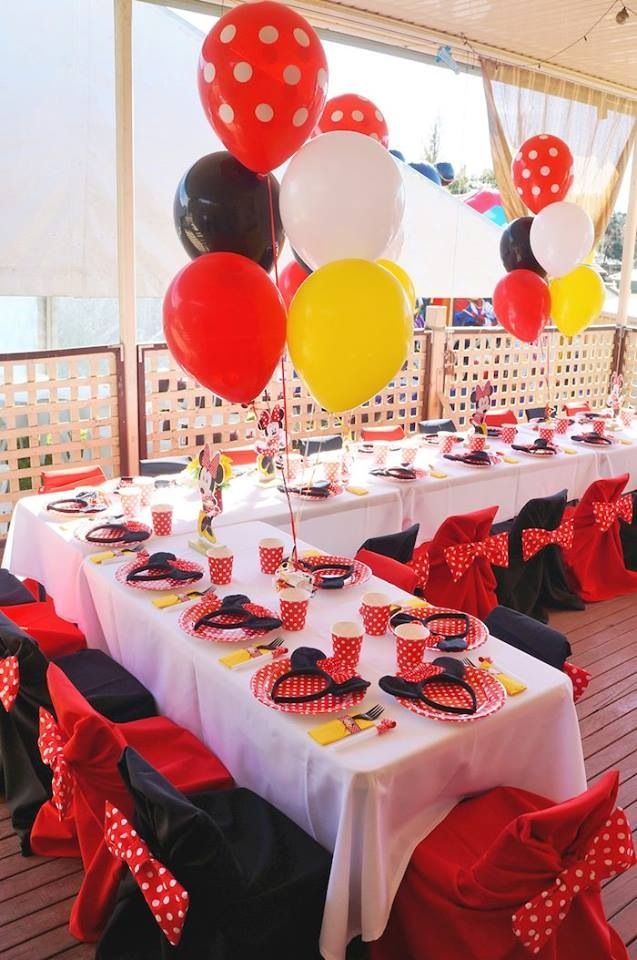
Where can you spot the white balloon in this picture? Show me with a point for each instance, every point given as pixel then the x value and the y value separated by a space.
pixel 561 237
pixel 341 196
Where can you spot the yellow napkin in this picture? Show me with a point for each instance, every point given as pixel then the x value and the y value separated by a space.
pixel 168 600
pixel 357 491
pixel 199 546
pixel 511 685
pixel 510 460
pixel 626 441
pixel 335 730
pixel 568 450
pixel 101 557
pixel 438 475
pixel 311 552
pixel 231 660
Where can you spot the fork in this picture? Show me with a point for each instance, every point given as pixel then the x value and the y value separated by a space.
pixel 372 714
pixel 272 645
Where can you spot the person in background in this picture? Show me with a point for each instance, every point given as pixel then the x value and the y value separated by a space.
pixel 446 173
pixel 473 313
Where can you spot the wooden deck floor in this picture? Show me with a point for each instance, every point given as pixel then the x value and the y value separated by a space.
pixel 36 894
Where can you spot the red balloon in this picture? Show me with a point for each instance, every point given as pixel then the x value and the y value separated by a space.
pixel 522 304
pixel 542 171
pixel 290 279
pixel 262 81
pixel 225 324
pixel 353 112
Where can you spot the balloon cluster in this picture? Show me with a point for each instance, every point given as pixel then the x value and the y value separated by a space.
pixel 550 245
pixel 262 78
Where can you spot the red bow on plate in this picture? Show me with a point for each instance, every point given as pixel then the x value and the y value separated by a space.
pixel 535 539
pixel 607 513
pixel 9 681
pixel 612 851
pixel 165 896
pixel 51 745
pixel 494 549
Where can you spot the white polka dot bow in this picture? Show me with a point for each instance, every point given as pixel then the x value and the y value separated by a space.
pixel 165 896
pixel 611 852
pixel 535 539
pixel 9 681
pixel 607 513
pixel 51 744
pixel 494 549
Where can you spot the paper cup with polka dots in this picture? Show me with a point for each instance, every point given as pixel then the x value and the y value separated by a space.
pixel 563 423
pixel 477 441
pixel 347 641
pixel 270 554
pixel 292 466
pixel 411 642
pixel 447 442
pixel 131 500
pixel 220 560
pixel 146 486
pixel 546 433
pixel 162 516
pixel 408 455
pixel 293 604
pixel 375 609
pixel 626 415
pixel 381 450
pixel 599 426
pixel 332 471
pixel 508 432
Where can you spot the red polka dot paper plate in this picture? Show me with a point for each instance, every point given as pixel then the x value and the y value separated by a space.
pixel 490 694
pixel 168 583
pixel 477 635
pixel 335 490
pixel 361 573
pixel 111 538
pixel 263 680
pixel 189 617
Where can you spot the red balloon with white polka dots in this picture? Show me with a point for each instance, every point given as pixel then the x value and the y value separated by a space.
pixel 352 112
pixel 262 81
pixel 542 171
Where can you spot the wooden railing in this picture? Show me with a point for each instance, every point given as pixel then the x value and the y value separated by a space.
pixel 57 408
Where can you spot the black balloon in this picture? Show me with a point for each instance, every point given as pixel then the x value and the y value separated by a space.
pixel 515 247
pixel 222 207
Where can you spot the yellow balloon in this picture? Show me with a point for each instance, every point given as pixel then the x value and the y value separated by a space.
pixel 403 278
pixel 576 299
pixel 349 329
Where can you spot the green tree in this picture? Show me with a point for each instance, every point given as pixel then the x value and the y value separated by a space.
pixel 431 153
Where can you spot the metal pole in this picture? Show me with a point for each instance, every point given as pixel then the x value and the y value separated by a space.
pixel 630 235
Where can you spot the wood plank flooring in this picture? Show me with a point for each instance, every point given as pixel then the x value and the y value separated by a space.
pixel 36 894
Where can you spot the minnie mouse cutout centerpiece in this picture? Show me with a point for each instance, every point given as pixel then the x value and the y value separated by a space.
pixel 211 477
pixel 481 398
pixel 615 394
pixel 270 425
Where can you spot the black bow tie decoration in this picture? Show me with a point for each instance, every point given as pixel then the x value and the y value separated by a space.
pixel 452 674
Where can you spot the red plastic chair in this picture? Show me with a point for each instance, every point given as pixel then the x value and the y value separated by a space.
pixel 54 480
pixel 596 560
pixel 498 418
pixel 369 434
pixel 401 575
pixel 506 854
pixel 55 637
pixel 572 409
pixel 241 456
pixel 92 747
pixel 460 558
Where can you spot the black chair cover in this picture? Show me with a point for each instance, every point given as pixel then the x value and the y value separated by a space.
pixel 312 445
pixel 12 591
pixel 434 426
pixel 110 689
pixel 399 546
pixel 541 582
pixel 257 883
pixel 522 632
pixel 165 465
pixel 533 412
pixel 628 536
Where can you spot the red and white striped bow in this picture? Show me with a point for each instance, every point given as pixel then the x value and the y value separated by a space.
pixel 535 539
pixel 165 896
pixel 9 681
pixel 612 851
pixel 494 549
pixel 51 744
pixel 607 513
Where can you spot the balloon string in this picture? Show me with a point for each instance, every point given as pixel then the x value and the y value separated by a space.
pixel 284 472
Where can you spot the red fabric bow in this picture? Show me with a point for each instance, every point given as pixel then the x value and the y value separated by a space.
pixel 51 745
pixel 607 513
pixel 494 549
pixel 535 539
pixel 611 852
pixel 9 681
pixel 165 896
pixel 419 563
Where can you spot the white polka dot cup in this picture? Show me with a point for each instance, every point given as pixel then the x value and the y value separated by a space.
pixel 131 500
pixel 508 432
pixel 546 433
pixel 270 554
pixel 477 441
pixel 375 610
pixel 380 454
pixel 162 517
pixel 347 641
pixel 447 442
pixel 563 423
pixel 599 426
pixel 292 466
pixel 626 415
pixel 408 456
pixel 220 561
pixel 411 642
pixel 146 487
pixel 332 471
pixel 293 604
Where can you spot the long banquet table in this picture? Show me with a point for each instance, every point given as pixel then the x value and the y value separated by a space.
pixel 369 802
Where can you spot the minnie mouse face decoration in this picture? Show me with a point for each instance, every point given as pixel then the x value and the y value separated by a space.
pixel 270 425
pixel 615 394
pixel 211 476
pixel 481 398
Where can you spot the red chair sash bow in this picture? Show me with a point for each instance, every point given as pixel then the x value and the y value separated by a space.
pixel 51 745
pixel 494 549
pixel 607 513
pixel 419 563
pixel 9 681
pixel 166 898
pixel 535 539
pixel 612 851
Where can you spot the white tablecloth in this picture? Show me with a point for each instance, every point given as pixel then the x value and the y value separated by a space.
pixel 49 552
pixel 370 803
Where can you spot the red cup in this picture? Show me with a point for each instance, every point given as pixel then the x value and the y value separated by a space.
pixel 220 560
pixel 477 441
pixel 411 643
pixel 375 609
pixel 599 426
pixel 162 514
pixel 332 471
pixel 508 432
pixel 546 433
pixel 293 604
pixel 626 414
pixel 347 640
pixel 447 442
pixel 270 554
pixel 563 423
